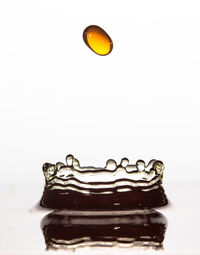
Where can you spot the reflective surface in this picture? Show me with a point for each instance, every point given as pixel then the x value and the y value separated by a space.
pixel 21 231
pixel 142 228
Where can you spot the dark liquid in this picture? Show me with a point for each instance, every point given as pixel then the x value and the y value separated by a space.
pixel 73 200
pixel 144 227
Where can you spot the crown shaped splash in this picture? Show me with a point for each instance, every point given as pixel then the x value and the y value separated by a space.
pixel 115 186
pixel 112 174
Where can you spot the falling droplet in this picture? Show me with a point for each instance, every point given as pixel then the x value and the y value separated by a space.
pixel 97 40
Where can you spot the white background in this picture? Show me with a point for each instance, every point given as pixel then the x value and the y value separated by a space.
pixel 58 97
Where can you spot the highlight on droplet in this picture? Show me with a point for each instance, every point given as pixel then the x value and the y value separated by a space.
pixel 97 40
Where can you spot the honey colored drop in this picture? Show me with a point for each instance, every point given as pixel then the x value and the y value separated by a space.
pixel 97 40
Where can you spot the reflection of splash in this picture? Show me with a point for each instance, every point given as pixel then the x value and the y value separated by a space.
pixel 123 186
pixel 142 228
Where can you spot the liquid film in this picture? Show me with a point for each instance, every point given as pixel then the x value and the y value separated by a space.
pixel 120 186
pixel 97 40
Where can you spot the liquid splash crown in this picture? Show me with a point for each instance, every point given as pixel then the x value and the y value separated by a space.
pixel 122 186
pixel 112 174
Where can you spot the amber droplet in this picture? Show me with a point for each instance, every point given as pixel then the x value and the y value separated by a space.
pixel 97 40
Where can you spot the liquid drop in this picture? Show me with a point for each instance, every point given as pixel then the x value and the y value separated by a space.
pixel 97 40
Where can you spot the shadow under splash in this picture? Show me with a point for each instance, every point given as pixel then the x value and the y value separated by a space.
pixel 140 228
